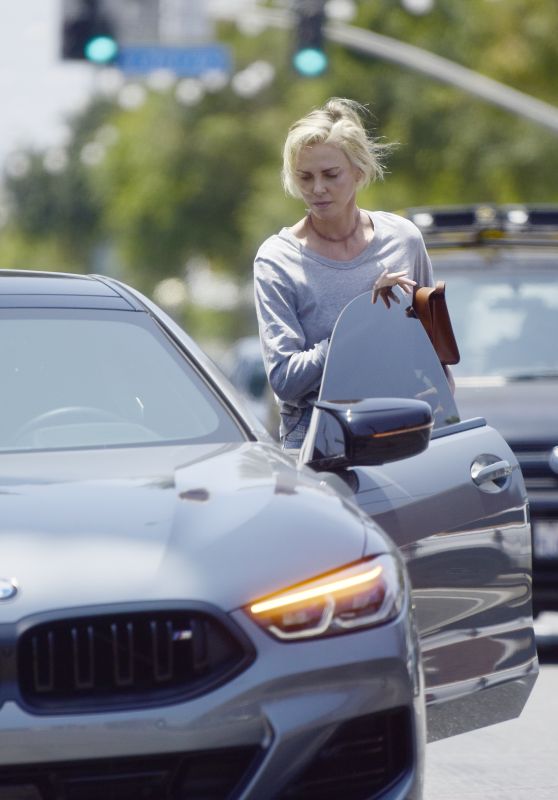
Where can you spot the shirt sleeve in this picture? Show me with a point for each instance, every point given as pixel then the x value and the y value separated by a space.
pixel 294 369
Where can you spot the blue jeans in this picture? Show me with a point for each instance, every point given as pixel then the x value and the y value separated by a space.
pixel 294 438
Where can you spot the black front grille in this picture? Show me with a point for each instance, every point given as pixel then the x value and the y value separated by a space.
pixel 206 775
pixel 359 761
pixel 131 659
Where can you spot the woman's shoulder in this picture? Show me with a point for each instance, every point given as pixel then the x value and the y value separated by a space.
pixel 277 244
pixel 281 251
pixel 278 260
pixel 396 223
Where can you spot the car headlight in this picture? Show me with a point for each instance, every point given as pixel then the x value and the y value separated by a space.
pixel 369 592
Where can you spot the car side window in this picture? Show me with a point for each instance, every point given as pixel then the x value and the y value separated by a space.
pixel 379 352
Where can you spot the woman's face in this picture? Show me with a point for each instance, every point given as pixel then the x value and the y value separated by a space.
pixel 326 179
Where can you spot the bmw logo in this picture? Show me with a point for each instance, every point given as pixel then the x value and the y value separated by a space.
pixel 8 589
pixel 553 460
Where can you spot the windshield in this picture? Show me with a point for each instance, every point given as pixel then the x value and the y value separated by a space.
pixel 505 322
pixel 74 379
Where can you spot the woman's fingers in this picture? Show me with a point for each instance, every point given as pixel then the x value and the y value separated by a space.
pixel 402 280
pixel 387 294
pixel 385 282
pixel 394 279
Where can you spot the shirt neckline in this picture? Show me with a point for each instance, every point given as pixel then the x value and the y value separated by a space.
pixel 285 233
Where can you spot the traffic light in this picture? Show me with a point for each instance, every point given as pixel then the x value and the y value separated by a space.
pixel 88 32
pixel 309 57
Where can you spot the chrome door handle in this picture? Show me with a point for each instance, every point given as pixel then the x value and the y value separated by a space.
pixel 484 473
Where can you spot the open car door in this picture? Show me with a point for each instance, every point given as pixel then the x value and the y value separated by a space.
pixel 458 511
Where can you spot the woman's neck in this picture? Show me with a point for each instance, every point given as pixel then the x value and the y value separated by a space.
pixel 316 225
pixel 336 251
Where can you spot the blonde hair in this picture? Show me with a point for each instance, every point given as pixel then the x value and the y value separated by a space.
pixel 338 122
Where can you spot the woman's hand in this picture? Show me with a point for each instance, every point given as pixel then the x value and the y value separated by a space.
pixel 386 281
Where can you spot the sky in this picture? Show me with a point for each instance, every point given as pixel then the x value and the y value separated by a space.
pixel 37 90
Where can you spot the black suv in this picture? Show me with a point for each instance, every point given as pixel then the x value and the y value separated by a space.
pixel 500 264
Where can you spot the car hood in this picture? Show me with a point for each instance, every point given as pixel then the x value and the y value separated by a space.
pixel 216 523
pixel 522 411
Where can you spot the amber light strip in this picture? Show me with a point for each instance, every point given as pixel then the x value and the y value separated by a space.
pixel 318 591
pixel 402 430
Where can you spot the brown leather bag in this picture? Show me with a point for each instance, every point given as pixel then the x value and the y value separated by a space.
pixel 429 305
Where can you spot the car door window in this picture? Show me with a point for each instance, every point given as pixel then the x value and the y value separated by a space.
pixel 381 352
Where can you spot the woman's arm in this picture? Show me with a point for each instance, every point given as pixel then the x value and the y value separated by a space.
pixel 293 369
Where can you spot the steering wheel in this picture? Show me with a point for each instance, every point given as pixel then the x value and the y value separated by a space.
pixel 66 415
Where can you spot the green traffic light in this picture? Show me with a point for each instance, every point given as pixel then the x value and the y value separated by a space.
pixel 101 49
pixel 310 62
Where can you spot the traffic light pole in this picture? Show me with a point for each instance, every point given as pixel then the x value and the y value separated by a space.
pixel 427 63
pixel 442 69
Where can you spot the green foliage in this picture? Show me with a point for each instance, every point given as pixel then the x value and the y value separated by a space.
pixel 175 183
pixel 50 206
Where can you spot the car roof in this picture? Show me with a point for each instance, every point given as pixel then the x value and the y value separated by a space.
pixel 38 289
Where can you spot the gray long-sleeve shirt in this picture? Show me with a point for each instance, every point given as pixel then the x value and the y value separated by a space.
pixel 299 295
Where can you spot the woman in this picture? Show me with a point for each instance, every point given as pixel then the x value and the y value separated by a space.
pixel 306 274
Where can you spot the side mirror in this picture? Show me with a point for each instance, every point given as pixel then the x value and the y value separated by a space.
pixel 350 433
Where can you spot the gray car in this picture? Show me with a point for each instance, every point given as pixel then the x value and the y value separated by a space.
pixel 188 614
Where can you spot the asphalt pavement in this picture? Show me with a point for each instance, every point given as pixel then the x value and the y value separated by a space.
pixel 515 760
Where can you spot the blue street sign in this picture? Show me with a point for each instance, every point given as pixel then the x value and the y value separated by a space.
pixel 187 61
